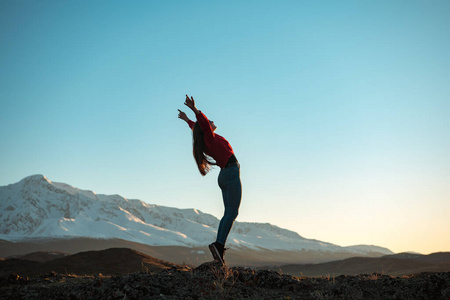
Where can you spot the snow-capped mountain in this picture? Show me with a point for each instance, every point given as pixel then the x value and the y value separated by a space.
pixel 38 207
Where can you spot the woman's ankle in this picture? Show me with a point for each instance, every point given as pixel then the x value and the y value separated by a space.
pixel 219 246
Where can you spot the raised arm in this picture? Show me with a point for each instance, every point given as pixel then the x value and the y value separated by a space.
pixel 201 118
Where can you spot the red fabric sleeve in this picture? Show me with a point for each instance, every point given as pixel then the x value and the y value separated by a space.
pixel 191 124
pixel 205 125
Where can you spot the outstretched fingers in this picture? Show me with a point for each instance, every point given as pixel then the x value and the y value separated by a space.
pixel 181 115
pixel 191 104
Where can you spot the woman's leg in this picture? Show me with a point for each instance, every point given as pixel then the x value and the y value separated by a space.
pixel 230 183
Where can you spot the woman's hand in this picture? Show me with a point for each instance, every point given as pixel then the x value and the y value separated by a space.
pixel 191 104
pixel 182 116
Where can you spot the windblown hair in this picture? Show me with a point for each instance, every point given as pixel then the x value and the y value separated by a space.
pixel 203 161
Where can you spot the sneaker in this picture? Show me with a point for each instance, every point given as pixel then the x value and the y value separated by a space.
pixel 217 252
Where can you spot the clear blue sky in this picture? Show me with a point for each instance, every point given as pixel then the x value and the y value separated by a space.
pixel 337 110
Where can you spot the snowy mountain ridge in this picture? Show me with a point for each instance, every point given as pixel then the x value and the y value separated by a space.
pixel 38 207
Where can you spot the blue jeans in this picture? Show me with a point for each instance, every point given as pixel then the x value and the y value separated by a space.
pixel 230 184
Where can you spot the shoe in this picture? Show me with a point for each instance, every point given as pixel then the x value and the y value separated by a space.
pixel 217 250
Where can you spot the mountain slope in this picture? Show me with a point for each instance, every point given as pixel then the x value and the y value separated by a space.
pixel 109 261
pixel 395 265
pixel 38 207
pixel 177 254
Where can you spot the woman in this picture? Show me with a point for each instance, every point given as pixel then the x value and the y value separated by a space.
pixel 207 145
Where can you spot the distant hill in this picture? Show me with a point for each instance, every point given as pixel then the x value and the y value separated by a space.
pixel 108 262
pixel 41 256
pixel 177 254
pixel 125 260
pixel 394 265
pixel 438 257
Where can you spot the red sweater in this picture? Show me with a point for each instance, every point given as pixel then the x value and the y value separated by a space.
pixel 216 146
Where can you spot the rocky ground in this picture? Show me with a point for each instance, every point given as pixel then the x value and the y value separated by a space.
pixel 210 281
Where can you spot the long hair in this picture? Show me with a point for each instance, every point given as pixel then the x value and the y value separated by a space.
pixel 203 161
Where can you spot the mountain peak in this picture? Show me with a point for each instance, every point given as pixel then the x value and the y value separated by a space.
pixel 38 178
pixel 35 176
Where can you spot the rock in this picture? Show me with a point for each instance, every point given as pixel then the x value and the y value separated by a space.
pixel 14 278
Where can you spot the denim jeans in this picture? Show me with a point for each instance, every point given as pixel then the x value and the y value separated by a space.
pixel 230 184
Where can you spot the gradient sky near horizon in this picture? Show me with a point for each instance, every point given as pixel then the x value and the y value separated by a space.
pixel 338 111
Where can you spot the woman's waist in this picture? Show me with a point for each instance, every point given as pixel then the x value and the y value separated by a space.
pixel 232 161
